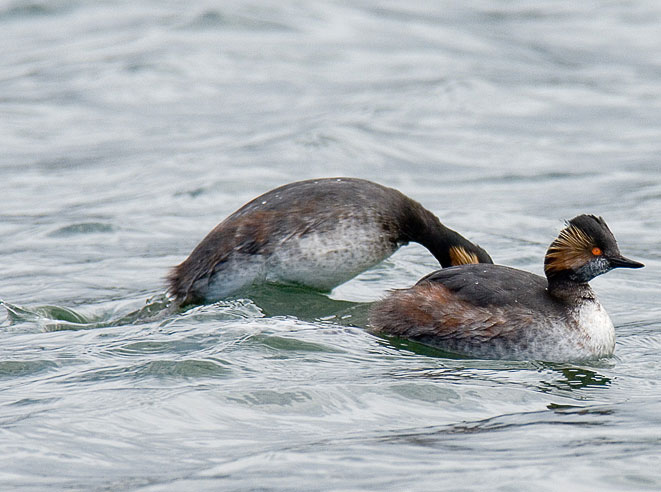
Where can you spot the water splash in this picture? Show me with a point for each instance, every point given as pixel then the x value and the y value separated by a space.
pixel 59 318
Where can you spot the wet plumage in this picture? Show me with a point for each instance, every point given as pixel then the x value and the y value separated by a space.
pixel 317 233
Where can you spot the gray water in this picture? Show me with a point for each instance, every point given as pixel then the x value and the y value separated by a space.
pixel 129 129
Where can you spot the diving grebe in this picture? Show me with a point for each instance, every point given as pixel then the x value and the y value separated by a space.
pixel 317 233
pixel 496 312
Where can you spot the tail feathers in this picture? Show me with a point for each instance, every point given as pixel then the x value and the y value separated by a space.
pixel 180 287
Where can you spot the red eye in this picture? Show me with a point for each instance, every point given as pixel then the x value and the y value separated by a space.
pixel 596 251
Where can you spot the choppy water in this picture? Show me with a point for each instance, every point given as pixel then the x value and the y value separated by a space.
pixel 129 129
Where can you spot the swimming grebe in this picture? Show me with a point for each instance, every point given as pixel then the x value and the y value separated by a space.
pixel 496 312
pixel 317 233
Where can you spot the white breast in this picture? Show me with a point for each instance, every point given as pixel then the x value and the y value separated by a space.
pixel 596 328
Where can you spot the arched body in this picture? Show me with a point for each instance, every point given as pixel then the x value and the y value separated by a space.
pixel 317 233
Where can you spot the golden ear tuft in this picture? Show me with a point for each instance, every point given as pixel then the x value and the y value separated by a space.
pixel 459 256
pixel 571 249
pixel 574 238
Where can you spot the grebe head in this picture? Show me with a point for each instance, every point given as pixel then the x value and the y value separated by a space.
pixel 584 249
pixel 468 254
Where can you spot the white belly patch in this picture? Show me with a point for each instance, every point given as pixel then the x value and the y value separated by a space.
pixel 319 260
pixel 328 259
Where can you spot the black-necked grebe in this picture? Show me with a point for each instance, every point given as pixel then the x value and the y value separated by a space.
pixel 493 311
pixel 317 233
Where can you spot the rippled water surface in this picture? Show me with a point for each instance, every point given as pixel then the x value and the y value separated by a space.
pixel 129 129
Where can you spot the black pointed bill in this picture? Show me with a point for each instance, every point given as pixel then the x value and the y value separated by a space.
pixel 622 262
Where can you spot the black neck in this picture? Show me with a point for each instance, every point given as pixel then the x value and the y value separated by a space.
pixel 566 289
pixel 423 227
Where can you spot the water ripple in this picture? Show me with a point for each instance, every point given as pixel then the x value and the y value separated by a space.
pixel 130 129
